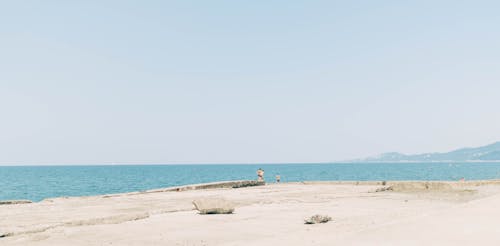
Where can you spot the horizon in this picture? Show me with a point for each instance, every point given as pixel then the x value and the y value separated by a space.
pixel 257 164
pixel 226 82
pixel 352 161
pixel 361 160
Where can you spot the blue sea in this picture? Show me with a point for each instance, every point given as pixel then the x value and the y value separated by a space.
pixel 39 182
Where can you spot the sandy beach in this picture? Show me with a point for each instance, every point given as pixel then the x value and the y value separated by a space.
pixel 408 213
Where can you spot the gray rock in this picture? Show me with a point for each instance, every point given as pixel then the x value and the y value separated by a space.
pixel 10 202
pixel 214 206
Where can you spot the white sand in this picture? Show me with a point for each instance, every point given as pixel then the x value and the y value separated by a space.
pixel 265 215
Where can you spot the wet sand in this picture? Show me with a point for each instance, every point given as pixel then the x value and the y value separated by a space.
pixel 408 213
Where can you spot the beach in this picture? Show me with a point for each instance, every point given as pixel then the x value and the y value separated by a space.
pixel 363 213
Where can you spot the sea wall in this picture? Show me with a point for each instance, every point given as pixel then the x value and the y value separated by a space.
pixel 214 185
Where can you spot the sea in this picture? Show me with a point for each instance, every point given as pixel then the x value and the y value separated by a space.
pixel 36 183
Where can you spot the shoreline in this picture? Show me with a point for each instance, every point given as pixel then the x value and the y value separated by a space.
pixel 363 212
pixel 249 183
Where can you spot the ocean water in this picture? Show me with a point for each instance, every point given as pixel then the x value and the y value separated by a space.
pixel 39 182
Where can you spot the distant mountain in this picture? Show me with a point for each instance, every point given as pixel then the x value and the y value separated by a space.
pixel 485 153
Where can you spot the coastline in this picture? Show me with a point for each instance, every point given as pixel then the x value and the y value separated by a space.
pixel 363 212
pixel 249 183
pixel 37 183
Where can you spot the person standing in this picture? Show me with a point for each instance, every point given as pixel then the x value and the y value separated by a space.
pixel 260 175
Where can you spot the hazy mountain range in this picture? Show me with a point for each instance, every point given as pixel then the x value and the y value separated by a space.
pixel 485 153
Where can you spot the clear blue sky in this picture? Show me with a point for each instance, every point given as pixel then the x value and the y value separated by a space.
pixel 87 82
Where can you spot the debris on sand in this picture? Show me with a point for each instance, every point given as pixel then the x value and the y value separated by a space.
pixel 316 219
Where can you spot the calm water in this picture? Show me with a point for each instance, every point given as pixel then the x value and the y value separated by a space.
pixel 37 183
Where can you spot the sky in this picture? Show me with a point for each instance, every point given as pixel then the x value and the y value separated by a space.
pixel 143 82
